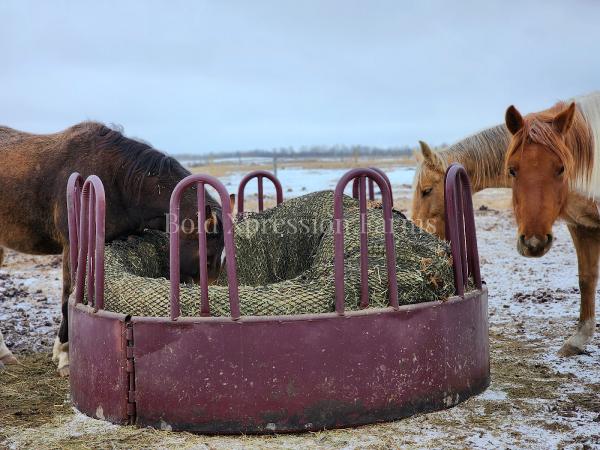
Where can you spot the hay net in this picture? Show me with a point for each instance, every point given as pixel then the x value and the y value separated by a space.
pixel 284 260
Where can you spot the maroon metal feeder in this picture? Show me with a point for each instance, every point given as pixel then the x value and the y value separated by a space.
pixel 270 374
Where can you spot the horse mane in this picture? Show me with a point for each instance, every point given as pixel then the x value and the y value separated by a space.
pixel 575 152
pixel 138 159
pixel 482 154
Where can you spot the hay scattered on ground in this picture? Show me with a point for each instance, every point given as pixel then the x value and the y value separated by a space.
pixel 31 393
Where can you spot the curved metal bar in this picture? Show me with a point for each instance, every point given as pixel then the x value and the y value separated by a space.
pixel 74 186
pixel 387 180
pixel 91 243
pixel 371 185
pixel 260 174
pixel 364 241
pixel 174 229
pixel 338 225
pixel 460 228
pixel 203 260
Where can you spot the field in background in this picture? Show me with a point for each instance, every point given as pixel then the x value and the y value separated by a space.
pixel 300 176
pixel 536 399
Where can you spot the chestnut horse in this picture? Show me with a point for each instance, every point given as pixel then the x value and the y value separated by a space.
pixel 483 155
pixel 552 153
pixel 138 181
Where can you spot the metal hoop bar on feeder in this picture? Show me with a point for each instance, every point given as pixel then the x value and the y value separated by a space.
pixel 74 186
pixel 202 252
pixel 174 238
pixel 338 225
pixel 91 243
pixel 364 248
pixel 473 268
pixel 460 228
pixel 372 185
pixel 259 174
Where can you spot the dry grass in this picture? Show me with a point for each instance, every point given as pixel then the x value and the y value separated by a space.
pixel 31 393
pixel 226 168
pixel 38 416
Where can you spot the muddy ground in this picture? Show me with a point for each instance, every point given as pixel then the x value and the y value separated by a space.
pixel 536 399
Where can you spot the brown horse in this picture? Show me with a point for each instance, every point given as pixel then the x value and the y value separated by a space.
pixel 138 181
pixel 551 154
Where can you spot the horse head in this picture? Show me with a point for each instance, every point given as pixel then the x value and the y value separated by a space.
pixel 540 163
pixel 156 192
pixel 146 178
pixel 428 192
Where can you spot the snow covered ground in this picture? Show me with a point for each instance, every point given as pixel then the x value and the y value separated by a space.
pixel 298 181
pixel 536 399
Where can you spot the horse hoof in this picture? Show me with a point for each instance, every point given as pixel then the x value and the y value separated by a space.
pixel 55 350
pixel 63 371
pixel 9 359
pixel 568 350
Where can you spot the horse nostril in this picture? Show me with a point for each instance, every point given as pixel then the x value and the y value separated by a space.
pixel 522 239
pixel 549 238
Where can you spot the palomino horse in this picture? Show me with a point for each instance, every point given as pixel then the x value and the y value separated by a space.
pixel 483 155
pixel 138 181
pixel 552 153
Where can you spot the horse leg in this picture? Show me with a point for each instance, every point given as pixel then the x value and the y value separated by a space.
pixel 60 351
pixel 587 245
pixel 6 356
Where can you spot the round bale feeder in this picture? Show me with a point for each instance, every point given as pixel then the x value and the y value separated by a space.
pixel 272 374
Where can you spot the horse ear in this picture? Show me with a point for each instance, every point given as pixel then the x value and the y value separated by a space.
pixel 564 119
pixel 514 120
pixel 429 156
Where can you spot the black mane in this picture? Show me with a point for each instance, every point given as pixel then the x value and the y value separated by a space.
pixel 139 160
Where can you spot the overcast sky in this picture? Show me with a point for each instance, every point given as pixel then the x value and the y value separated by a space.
pixel 202 76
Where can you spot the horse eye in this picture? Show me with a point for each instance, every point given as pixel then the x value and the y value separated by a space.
pixel 561 170
pixel 426 192
pixel 512 172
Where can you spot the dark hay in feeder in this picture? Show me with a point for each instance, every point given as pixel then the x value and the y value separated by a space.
pixel 285 264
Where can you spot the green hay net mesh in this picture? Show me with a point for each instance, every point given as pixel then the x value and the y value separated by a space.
pixel 285 264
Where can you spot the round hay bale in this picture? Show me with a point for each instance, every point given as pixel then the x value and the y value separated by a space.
pixel 284 260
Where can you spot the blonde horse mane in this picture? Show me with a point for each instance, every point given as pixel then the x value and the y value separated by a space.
pixel 482 154
pixel 590 108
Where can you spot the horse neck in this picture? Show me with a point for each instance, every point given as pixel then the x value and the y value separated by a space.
pixel 482 156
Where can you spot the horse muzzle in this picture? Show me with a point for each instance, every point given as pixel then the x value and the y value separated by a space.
pixel 534 246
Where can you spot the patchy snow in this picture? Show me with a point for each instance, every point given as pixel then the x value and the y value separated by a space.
pixel 29 301
pixel 297 181
pixel 536 399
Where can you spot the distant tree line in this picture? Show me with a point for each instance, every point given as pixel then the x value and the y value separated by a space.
pixel 315 151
